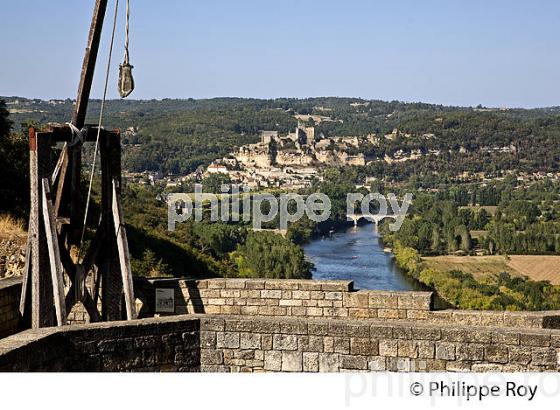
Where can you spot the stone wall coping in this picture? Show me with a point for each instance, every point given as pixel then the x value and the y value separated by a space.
pixel 241 283
pixel 534 313
pixel 31 335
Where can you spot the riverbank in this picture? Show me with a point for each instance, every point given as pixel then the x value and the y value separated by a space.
pixel 499 291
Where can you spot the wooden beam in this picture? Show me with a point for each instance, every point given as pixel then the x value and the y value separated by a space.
pixel 124 256
pixel 63 161
pixel 42 312
pixel 88 65
pixel 54 254
pixel 63 133
pixel 108 258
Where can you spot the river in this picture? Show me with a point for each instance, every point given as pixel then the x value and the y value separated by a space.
pixel 357 254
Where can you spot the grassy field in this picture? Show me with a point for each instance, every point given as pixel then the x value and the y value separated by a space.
pixel 536 267
pixel 488 208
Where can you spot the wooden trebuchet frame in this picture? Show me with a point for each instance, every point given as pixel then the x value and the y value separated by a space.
pixel 102 279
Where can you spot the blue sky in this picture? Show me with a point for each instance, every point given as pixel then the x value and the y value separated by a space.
pixel 496 53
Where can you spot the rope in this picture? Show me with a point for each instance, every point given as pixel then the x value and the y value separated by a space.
pixel 99 126
pixel 126 56
pixel 78 136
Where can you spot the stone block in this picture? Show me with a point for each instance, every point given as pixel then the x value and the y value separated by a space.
pixel 388 348
pixel 458 367
pixel 211 357
pixel 544 356
pixel 519 355
pixel 292 361
pixel 233 325
pixel 310 362
pixel 328 344
pixel 445 351
pixel 266 342
pixel 316 328
pixel 505 338
pixel 418 314
pixel 329 362
pixel 254 284
pixel 357 330
pixel 356 300
pixel 352 362
pixel 297 310
pixel 285 342
pixel 227 340
pixel 426 333
pixel 271 294
pixel 407 348
pixel 263 325
pixel 294 327
pixel 235 283
pixel 316 295
pixel 534 339
pixel 398 364
pixel 311 344
pixel 382 300
pixel 364 347
pixel 282 284
pixel 358 313
pixel 466 335
pixel 216 283
pixel 496 354
pixel 290 302
pixel 249 310
pixel 333 295
pixel 207 339
pixel 337 285
pixel 230 310
pixel 341 345
pixel 414 300
pixel 381 331
pixel 300 294
pixel 250 341
pixel 470 352
pixel 377 364
pixel 486 367
pixel 426 349
pixel 273 360
pixel 401 332
pixel 391 314
pixel 314 311
pixel 310 285
pixel 335 312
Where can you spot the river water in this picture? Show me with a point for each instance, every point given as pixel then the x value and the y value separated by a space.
pixel 357 254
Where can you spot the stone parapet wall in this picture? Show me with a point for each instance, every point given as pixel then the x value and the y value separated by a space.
pixel 146 345
pixel 333 299
pixel 309 298
pixel 10 293
pixel 229 343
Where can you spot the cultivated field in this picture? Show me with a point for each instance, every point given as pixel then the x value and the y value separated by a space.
pixel 536 267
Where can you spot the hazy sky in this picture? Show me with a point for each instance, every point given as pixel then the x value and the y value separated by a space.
pixel 493 52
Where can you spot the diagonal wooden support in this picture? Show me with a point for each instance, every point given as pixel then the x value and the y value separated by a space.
pixel 124 256
pixel 54 254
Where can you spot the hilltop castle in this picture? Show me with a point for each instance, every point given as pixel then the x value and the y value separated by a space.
pixel 291 160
